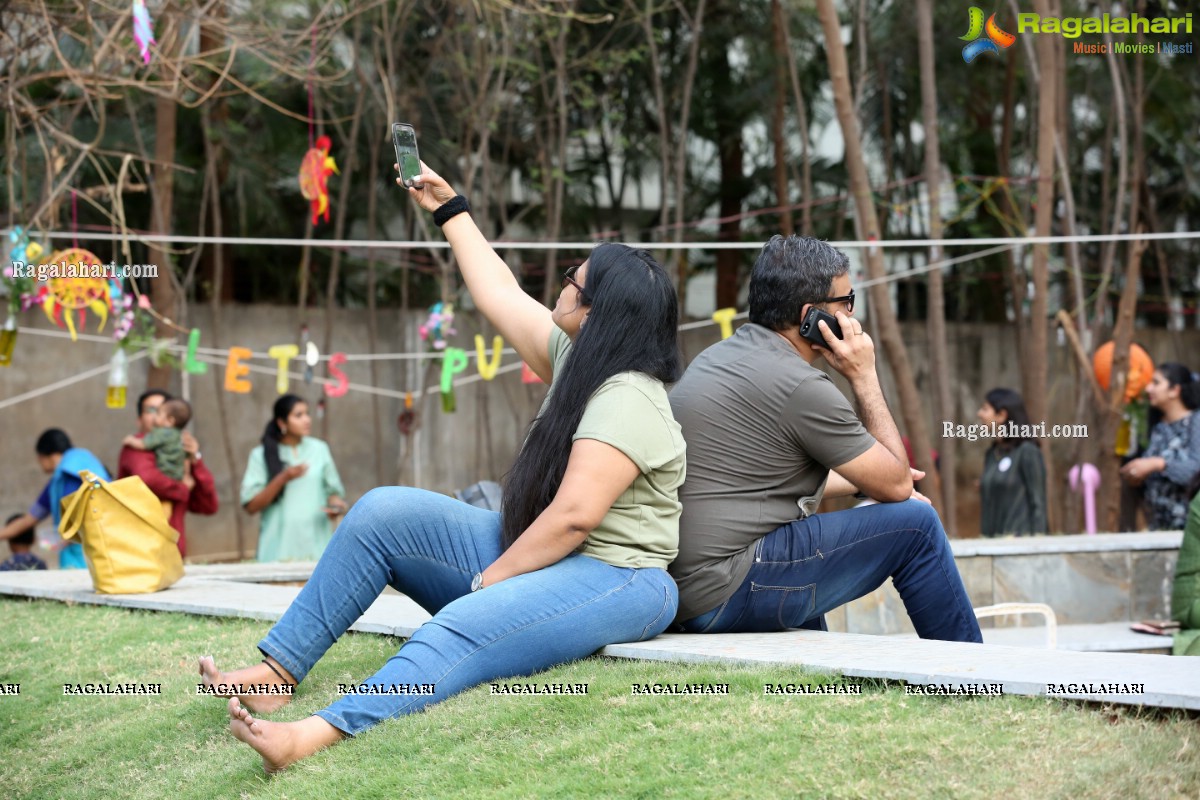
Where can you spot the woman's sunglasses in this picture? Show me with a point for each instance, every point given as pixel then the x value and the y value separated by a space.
pixel 569 278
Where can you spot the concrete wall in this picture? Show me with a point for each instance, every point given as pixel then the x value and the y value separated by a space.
pixel 1117 577
pixel 449 451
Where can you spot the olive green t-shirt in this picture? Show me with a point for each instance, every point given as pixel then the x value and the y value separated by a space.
pixel 630 412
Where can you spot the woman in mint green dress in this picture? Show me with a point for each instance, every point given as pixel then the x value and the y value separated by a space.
pixel 292 480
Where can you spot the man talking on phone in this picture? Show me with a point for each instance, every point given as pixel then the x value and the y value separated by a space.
pixel 768 435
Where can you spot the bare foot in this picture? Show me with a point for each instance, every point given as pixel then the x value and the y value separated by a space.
pixel 257 687
pixel 281 744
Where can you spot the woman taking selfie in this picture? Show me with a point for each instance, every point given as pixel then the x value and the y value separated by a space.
pixel 578 559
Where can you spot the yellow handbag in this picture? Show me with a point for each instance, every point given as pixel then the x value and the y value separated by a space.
pixel 129 546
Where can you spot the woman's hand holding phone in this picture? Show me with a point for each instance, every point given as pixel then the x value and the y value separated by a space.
pixel 430 190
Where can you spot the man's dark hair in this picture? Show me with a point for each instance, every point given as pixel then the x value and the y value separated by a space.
pixel 179 410
pixel 146 395
pixel 52 442
pixel 20 538
pixel 790 272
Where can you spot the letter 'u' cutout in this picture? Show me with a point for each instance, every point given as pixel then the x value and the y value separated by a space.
pixel 235 370
pixel 488 366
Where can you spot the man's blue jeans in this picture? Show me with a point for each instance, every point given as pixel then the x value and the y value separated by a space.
pixel 811 566
pixel 429 546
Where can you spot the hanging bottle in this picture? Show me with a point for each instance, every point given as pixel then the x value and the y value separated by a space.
pixel 8 340
pixel 118 379
pixel 1125 435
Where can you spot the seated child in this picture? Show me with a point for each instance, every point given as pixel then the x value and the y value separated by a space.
pixel 21 545
pixel 166 440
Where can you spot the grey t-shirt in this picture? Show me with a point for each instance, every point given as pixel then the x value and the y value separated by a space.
pixel 763 427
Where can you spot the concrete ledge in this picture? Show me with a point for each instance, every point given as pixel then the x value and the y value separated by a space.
pixel 1108 637
pixel 1079 543
pixel 1169 682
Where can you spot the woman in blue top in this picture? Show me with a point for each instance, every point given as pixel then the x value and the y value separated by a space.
pixel 63 463
pixel 578 559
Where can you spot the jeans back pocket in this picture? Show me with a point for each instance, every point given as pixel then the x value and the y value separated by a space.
pixel 777 608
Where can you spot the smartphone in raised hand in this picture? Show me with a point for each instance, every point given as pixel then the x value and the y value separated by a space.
pixel 405 140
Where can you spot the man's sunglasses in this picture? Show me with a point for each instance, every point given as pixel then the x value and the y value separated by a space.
pixel 848 299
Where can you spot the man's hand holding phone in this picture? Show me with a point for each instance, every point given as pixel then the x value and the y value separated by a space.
pixel 853 355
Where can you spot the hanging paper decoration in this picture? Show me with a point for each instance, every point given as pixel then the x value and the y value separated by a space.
pixel 453 363
pixel 236 371
pixel 407 421
pixel 315 170
pixel 60 296
pixel 282 353
pixel 528 375
pixel 343 383
pixel 190 364
pixel 143 29
pixel 311 355
pixel 724 318
pixel 118 379
pixel 487 367
pixel 439 325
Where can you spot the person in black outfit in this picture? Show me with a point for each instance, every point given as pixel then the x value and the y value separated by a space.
pixel 1013 486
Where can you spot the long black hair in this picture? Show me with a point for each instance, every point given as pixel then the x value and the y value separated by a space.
pixel 631 327
pixel 1189 389
pixel 272 435
pixel 1010 400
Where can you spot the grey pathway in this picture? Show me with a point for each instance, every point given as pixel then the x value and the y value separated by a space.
pixel 1156 680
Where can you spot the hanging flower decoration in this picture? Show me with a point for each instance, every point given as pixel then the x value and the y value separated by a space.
pixel 315 170
pixel 143 30
pixel 439 325
pixel 21 288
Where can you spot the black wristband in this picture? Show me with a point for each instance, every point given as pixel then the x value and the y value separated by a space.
pixel 451 208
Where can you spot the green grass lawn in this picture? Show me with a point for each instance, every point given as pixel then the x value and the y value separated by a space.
pixel 605 744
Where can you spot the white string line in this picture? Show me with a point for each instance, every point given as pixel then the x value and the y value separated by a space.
pixel 908 273
pixel 215 351
pixel 358 387
pixel 687 326
pixel 65 382
pixel 383 244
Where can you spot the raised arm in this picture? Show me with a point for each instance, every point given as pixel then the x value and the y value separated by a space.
pixel 522 321
pixel 597 474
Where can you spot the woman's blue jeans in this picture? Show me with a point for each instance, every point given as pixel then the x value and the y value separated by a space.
pixel 429 547
pixel 812 566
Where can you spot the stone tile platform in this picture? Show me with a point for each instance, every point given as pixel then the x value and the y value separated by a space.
pixel 244 590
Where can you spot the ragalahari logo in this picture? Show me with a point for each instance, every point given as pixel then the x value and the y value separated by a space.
pixel 996 40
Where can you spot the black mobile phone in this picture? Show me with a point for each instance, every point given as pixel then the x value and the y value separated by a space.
pixel 405 140
pixel 810 331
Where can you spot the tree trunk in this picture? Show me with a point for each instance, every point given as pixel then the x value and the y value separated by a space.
pixel 806 184
pixel 940 364
pixel 696 26
pixel 1123 329
pixel 778 141
pixel 881 308
pixel 164 292
pixel 1036 399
